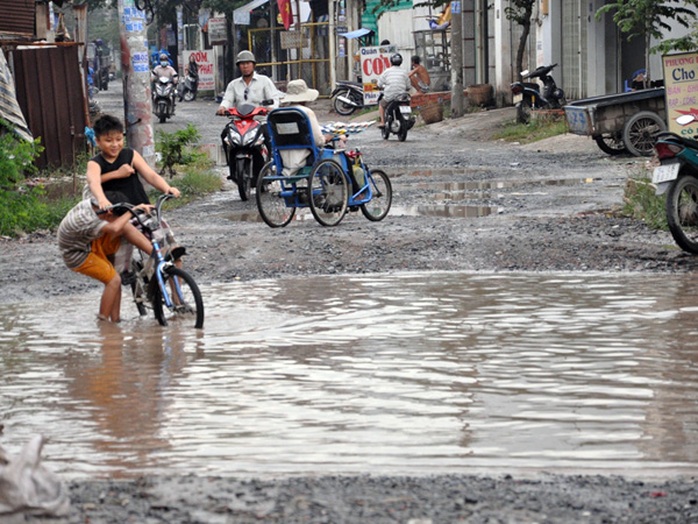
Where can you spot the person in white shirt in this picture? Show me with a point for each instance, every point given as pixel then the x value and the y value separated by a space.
pixel 251 87
pixel 393 81
pixel 166 70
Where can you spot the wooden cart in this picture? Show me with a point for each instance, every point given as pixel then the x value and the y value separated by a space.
pixel 620 123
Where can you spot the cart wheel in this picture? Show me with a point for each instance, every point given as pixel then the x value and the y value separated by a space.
pixel 271 204
pixel 328 193
pixel 611 143
pixel 640 132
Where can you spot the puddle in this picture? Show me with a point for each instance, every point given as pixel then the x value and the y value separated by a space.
pixel 398 374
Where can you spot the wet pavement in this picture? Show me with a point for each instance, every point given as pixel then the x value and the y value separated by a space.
pixel 409 373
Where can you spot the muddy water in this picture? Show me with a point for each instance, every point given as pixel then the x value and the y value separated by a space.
pixel 413 373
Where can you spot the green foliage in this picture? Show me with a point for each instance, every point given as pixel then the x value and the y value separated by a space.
pixel 28 209
pixel 641 203
pixel 538 129
pixel 16 156
pixel 176 148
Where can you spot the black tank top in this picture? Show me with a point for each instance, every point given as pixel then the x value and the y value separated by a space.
pixel 131 187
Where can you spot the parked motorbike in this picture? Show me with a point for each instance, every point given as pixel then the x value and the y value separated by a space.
pixel 677 176
pixel 399 118
pixel 348 97
pixel 244 145
pixel 189 87
pixel 528 96
pixel 163 98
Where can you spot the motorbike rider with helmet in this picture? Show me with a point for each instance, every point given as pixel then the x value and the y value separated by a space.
pixel 165 69
pixel 250 88
pixel 394 81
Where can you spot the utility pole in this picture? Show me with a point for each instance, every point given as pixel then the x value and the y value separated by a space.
pixel 135 64
pixel 456 59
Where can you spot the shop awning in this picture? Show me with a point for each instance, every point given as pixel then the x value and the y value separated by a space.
pixel 356 34
pixel 241 16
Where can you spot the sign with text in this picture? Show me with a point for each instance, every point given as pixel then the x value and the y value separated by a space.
pixel 216 31
pixel 374 60
pixel 681 84
pixel 207 67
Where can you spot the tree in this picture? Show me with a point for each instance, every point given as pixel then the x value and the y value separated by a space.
pixel 521 12
pixel 649 19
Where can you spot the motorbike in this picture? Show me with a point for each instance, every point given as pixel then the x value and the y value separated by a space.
pixel 399 118
pixel 244 145
pixel 348 97
pixel 528 96
pixel 677 176
pixel 188 87
pixel 163 98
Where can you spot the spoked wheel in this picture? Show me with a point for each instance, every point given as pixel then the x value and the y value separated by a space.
pixel 640 132
pixel 611 143
pixel 271 205
pixel 328 193
pixel 244 166
pixel 377 208
pixel 343 108
pixel 523 112
pixel 682 212
pixel 187 304
pixel 139 288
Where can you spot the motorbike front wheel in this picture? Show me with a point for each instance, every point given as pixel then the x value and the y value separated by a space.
pixel 244 177
pixel 682 212
pixel 385 132
pixel 343 108
pixel 189 95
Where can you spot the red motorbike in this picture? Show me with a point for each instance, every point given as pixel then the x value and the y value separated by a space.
pixel 245 146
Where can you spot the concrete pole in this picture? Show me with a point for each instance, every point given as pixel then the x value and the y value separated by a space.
pixel 135 64
pixel 332 49
pixel 456 59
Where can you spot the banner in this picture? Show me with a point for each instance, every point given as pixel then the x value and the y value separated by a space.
pixel 285 13
pixel 206 68
pixel 374 60
pixel 681 85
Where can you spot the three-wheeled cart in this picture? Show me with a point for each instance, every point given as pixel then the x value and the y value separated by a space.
pixel 620 123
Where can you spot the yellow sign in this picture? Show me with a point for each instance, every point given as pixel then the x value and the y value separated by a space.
pixel 681 84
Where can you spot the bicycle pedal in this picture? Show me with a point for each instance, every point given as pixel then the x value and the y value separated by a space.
pixel 127 278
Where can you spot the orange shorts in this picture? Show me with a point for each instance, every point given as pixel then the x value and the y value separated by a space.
pixel 97 265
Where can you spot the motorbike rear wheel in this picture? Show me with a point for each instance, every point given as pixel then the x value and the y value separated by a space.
pixel 270 202
pixel 523 111
pixel 402 132
pixel 328 193
pixel 341 107
pixel 682 212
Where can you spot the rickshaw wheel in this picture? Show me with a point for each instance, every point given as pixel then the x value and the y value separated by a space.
pixel 270 202
pixel 328 193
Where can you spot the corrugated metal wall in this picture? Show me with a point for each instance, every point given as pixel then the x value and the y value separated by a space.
pixel 49 91
pixel 18 17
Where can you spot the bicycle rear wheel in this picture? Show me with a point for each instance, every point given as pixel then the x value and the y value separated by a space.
pixel 328 193
pixel 187 305
pixel 271 205
pixel 377 208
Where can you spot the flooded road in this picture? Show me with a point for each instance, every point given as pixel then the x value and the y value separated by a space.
pixel 408 373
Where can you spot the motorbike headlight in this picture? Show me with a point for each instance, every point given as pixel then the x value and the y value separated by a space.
pixel 252 139
pixel 233 138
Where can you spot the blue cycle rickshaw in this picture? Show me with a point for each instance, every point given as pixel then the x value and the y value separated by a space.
pixel 332 181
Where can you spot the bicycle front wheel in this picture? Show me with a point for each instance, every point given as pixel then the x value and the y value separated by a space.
pixel 186 306
pixel 270 202
pixel 377 208
pixel 328 193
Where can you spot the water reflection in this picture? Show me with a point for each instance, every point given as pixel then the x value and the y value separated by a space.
pixel 408 373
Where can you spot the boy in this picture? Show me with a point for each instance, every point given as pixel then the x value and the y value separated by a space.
pixel 87 239
pixel 116 168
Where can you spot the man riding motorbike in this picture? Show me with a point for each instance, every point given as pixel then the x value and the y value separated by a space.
pixel 394 81
pixel 250 88
pixel 166 70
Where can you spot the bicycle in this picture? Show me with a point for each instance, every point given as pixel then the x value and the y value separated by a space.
pixel 157 283
pixel 324 183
